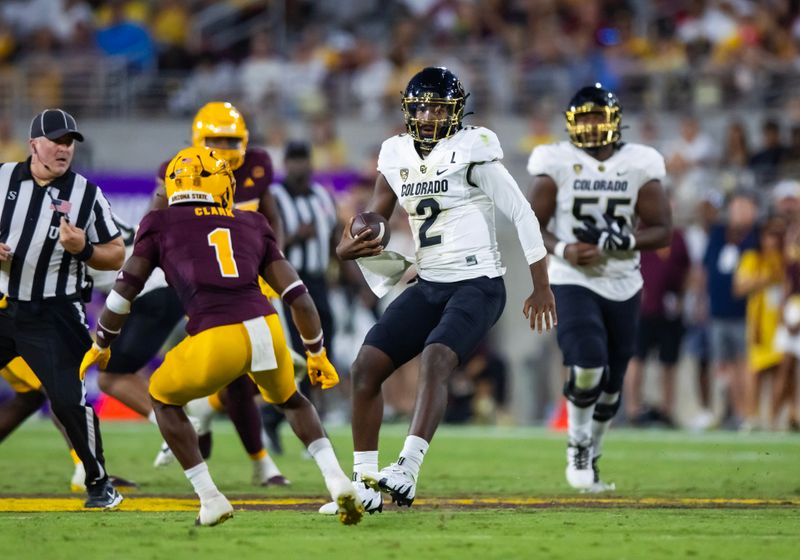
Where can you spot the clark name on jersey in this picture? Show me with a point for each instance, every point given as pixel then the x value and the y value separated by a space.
pixel 587 189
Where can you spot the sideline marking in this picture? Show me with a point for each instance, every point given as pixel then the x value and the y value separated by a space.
pixel 141 503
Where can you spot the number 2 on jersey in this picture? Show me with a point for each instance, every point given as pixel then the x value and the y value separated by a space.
pixel 220 240
pixel 423 207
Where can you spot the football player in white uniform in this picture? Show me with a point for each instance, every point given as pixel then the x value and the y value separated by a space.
pixel 449 180
pixel 602 202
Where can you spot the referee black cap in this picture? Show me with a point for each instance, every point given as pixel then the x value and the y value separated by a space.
pixel 53 124
pixel 297 149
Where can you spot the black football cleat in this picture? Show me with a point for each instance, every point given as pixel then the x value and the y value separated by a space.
pixel 103 496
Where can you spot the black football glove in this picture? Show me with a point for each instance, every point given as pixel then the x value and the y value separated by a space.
pixel 589 233
pixel 615 236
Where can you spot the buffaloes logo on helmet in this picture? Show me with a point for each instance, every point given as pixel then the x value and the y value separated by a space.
pixel 593 117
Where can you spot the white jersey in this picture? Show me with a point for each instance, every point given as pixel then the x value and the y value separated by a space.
pixel 587 189
pixel 450 197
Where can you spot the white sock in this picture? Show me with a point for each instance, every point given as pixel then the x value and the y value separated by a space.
pixel 269 466
pixel 364 461
pixel 322 452
pixel 599 429
pixel 152 417
pixel 200 478
pixel 412 455
pixel 579 423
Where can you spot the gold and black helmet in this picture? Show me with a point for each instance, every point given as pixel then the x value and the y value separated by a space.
pixel 199 174
pixel 220 119
pixel 434 86
pixel 593 99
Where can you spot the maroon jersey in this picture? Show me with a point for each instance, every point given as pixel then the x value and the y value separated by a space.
pixel 212 258
pixel 253 178
pixel 664 271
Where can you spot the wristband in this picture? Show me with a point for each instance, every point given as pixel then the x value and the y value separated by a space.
pixel 117 303
pixel 86 253
pixel 293 291
pixel 105 335
pixel 560 249
pixel 313 345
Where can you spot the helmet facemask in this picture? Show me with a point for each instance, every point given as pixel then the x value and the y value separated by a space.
pixel 593 133
pixel 430 119
pixel 230 148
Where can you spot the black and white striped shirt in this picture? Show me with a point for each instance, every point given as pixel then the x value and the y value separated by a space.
pixel 40 268
pixel 309 257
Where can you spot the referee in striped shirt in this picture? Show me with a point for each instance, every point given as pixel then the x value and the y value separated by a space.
pixel 308 213
pixel 53 223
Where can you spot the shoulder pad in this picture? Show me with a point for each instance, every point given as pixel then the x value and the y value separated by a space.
pixel 546 158
pixel 648 159
pixel 387 157
pixel 483 144
pixel 149 223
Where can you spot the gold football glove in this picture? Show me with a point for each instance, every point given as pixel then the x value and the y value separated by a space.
pixel 321 370
pixel 95 355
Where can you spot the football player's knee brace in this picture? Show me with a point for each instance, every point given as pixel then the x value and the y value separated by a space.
pixel 606 407
pixel 584 385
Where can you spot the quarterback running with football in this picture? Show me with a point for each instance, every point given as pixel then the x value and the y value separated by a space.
pixel 212 255
pixel 602 202
pixel 449 179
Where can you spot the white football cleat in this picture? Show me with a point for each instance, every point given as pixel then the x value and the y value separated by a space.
pixel 395 481
pixel 370 499
pixel 348 504
pixel 266 473
pixel 164 457
pixel 78 482
pixel 702 421
pixel 579 468
pixel 214 511
pixel 598 486
pixel 331 508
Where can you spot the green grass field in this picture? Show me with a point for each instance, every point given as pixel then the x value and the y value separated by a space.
pixel 658 511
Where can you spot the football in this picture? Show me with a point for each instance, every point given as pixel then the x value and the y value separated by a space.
pixel 377 224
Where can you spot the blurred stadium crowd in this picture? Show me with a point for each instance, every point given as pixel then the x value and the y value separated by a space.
pixel 302 57
pixel 719 294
